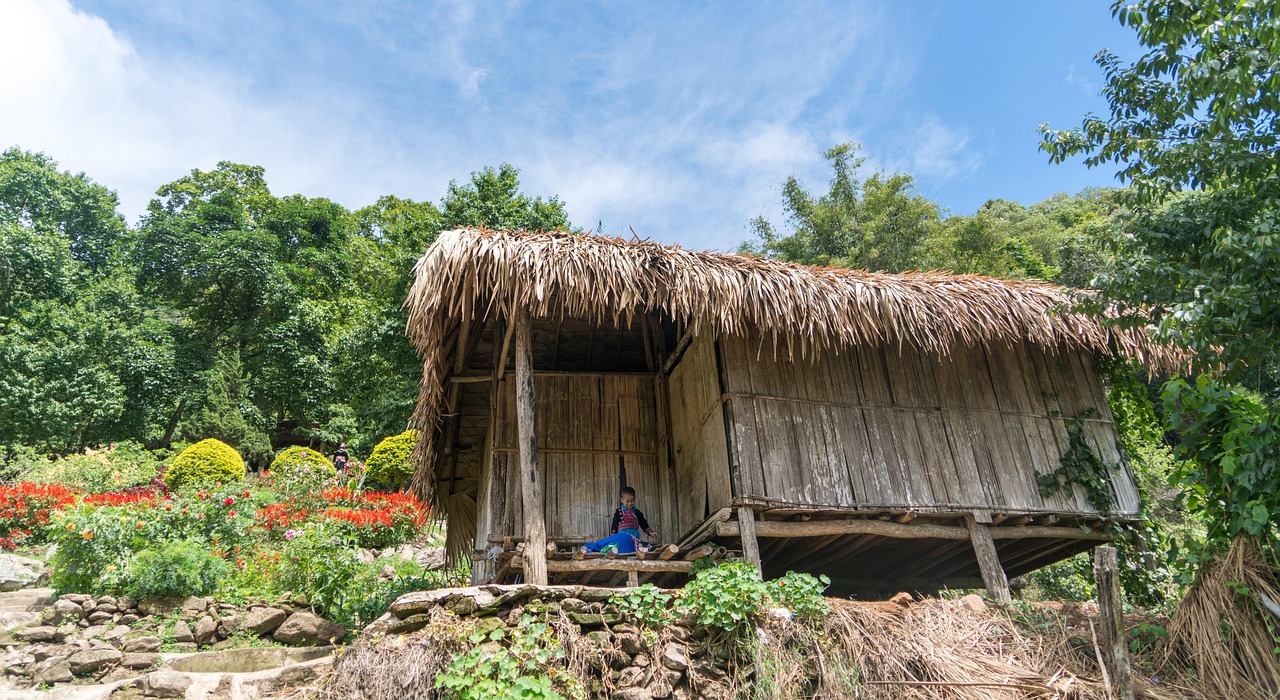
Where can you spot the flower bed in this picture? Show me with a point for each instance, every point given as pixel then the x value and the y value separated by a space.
pixel 227 539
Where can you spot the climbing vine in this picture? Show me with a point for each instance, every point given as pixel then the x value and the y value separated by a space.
pixel 1080 465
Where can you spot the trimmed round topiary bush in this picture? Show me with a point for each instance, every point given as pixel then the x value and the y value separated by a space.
pixel 207 462
pixel 389 464
pixel 300 470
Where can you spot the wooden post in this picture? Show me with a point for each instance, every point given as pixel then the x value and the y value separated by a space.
pixel 1115 652
pixel 747 532
pixel 535 526
pixel 988 561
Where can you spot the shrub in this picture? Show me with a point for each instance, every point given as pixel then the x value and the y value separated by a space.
pixel 114 468
pixel 320 565
pixel 389 464
pixel 204 463
pixel 93 546
pixel 300 470
pixel 726 596
pixel 801 594
pixel 176 569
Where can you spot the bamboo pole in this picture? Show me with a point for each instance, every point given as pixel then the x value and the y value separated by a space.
pixel 535 527
pixel 822 528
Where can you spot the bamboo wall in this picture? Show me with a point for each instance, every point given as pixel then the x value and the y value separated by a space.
pixel 595 433
pixel 700 450
pixel 888 427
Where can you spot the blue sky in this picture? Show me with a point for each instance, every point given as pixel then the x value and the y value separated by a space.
pixel 677 120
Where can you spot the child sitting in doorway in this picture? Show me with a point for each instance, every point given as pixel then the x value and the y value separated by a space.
pixel 628 522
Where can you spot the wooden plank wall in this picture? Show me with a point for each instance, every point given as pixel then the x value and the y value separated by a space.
pixel 592 429
pixel 700 456
pixel 877 426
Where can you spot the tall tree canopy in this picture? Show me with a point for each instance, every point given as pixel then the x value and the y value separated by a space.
pixel 229 312
pixel 1192 126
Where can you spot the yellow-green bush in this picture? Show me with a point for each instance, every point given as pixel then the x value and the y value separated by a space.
pixel 389 463
pixel 299 470
pixel 206 462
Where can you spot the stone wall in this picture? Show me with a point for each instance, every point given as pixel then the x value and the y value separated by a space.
pixel 614 658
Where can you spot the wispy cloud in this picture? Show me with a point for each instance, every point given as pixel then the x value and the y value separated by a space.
pixel 941 150
pixel 680 121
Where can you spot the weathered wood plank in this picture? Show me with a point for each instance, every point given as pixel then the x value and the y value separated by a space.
pixel 989 561
pixel 530 476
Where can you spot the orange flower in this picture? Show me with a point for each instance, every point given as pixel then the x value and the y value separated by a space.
pixel 87 534
pixel 139 525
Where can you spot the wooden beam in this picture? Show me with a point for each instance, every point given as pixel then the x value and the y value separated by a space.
pixel 988 561
pixel 681 346
pixel 823 528
pixel 1115 652
pixel 633 579
pixel 535 526
pixel 747 528
pixel 500 362
pixel 560 565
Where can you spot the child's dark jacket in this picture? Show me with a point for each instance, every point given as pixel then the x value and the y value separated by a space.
pixel 623 520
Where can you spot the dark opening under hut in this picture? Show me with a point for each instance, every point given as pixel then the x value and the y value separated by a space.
pixel 884 429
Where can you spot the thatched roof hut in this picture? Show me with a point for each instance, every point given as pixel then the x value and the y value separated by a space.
pixel 824 411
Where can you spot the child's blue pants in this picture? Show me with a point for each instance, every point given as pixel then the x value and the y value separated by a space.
pixel 625 541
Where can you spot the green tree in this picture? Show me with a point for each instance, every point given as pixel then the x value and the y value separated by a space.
pixel 493 200
pixel 1192 126
pixel 880 223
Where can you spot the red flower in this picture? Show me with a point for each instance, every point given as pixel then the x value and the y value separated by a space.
pixel 231 514
pixel 228 501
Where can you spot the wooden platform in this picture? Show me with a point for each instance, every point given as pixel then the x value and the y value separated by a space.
pixel 666 565
pixel 877 554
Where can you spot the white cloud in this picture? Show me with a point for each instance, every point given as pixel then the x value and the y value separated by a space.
pixel 941 150
pixel 83 95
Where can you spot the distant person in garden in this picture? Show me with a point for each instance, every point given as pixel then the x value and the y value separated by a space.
pixel 340 457
pixel 628 522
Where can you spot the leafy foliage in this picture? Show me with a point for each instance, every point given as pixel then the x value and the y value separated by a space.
pixel 300 470
pixel 388 465
pixel 1192 125
pixel 179 568
pixel 645 604
pixel 801 593
pixel 113 468
pixel 1232 442
pixel 512 666
pixel 205 463
pixel 1079 464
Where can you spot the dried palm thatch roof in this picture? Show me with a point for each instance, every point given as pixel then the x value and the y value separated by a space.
pixel 469 275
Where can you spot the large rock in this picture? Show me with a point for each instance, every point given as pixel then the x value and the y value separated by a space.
pixel 265 620
pixel 144 645
pixel 20 572
pixel 159 605
pixel 307 629
pixel 166 684
pixel 52 670
pixel 139 660
pixel 83 662
pixel 430 558
pixel 182 632
pixel 63 610
pixel 39 633
pixel 228 626
pixel 205 629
